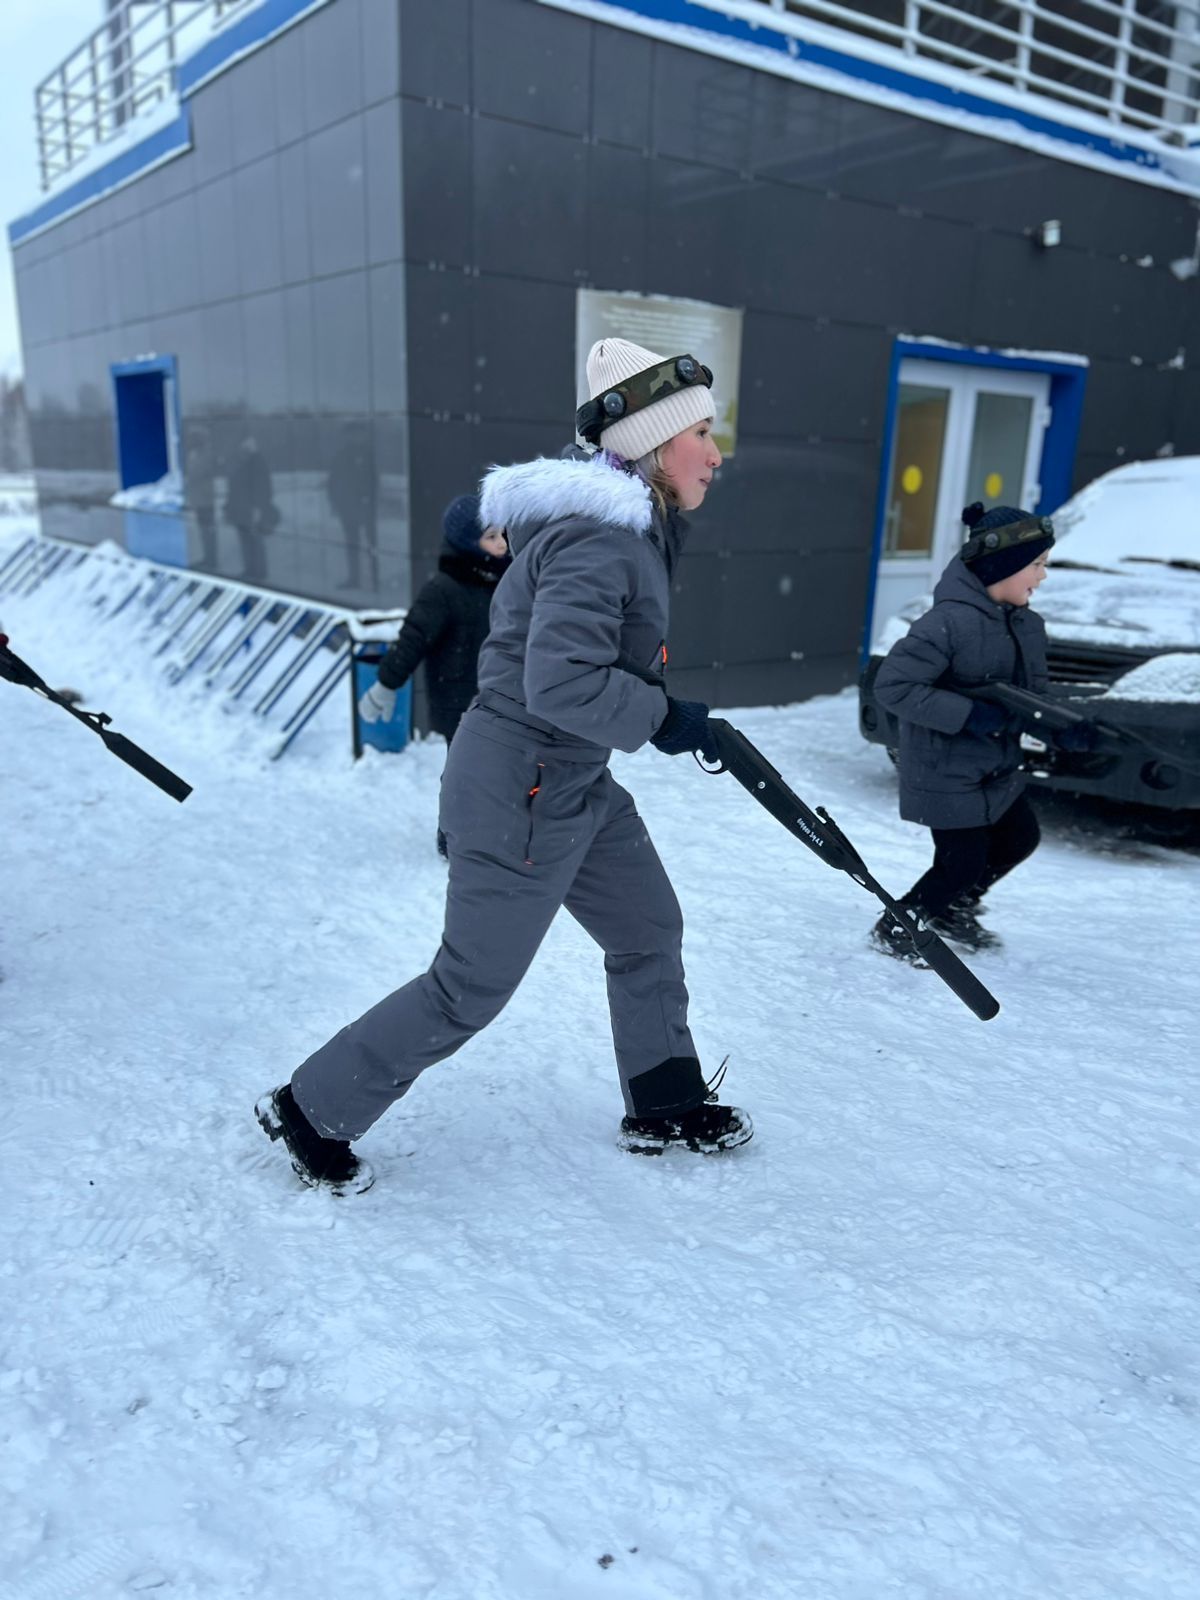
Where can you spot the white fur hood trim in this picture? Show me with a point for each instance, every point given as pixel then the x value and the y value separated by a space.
pixel 546 490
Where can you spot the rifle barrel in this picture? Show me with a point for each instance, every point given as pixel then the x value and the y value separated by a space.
pixel 134 756
pixel 19 672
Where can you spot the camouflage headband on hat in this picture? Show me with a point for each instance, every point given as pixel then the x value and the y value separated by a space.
pixel 636 392
pixel 992 540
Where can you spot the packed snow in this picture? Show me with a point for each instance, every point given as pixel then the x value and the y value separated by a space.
pixel 931 1335
pixel 1174 678
pixel 166 494
pixel 1146 511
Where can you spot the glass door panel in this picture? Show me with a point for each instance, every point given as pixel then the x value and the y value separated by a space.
pixel 911 517
pixel 999 445
pixel 960 433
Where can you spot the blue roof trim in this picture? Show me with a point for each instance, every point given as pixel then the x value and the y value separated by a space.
pixel 172 140
pixel 234 41
pixel 984 356
pixel 236 38
pixel 762 34
pixel 144 364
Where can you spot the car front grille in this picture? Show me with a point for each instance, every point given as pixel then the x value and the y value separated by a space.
pixel 1091 665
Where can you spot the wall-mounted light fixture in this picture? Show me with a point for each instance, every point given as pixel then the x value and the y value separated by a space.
pixel 1049 233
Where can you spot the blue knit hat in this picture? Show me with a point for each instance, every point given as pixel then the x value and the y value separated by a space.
pixel 460 522
pixel 994 564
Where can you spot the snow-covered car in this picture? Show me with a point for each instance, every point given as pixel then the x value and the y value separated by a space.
pixel 1122 610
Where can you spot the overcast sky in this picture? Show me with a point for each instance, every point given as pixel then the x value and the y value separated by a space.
pixel 35 35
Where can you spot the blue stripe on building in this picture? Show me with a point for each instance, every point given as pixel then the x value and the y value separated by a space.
pixel 765 37
pixel 234 41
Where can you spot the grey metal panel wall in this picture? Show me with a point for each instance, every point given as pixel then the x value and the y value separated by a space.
pixel 386 217
pixel 270 261
pixel 543 151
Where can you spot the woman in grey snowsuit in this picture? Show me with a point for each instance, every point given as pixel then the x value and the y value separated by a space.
pixel 960 758
pixel 533 819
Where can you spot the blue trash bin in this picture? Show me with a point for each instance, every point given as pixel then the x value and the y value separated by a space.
pixel 393 734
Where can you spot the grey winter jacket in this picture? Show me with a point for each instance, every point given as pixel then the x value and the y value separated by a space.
pixel 589 582
pixel 949 777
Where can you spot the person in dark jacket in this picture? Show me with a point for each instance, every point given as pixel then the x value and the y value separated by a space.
pixel 353 490
pixel 960 758
pixel 533 818
pixel 447 623
pixel 250 507
pixel 200 491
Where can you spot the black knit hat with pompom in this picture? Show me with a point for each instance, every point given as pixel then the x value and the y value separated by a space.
pixel 993 565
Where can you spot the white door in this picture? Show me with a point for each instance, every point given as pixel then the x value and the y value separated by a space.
pixel 960 434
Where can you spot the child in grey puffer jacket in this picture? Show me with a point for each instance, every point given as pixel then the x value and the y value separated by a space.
pixel 960 758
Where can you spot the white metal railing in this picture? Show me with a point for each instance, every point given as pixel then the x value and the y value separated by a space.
pixel 123 68
pixel 1135 62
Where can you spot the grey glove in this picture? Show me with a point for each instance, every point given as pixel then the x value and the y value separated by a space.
pixel 378 704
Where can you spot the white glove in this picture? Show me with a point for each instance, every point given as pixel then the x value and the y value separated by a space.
pixel 377 704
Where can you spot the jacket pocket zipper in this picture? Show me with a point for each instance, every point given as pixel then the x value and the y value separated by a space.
pixel 533 794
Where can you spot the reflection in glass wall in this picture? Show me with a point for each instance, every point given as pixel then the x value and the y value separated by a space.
pixel 352 487
pixel 308 505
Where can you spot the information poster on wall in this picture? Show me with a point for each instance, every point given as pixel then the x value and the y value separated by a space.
pixel 713 334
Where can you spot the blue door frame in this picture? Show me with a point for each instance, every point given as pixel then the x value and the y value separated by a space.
pixel 144 426
pixel 1067 382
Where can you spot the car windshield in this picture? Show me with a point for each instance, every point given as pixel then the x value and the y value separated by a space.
pixel 1148 511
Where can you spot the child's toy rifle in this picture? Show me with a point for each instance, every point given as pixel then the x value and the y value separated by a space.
pixel 825 839
pixel 1038 713
pixel 16 671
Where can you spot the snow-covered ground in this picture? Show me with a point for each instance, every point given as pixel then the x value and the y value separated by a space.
pixel 931 1336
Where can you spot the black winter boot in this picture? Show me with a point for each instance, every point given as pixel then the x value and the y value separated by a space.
pixel 960 923
pixel 316 1161
pixel 889 936
pixel 666 1112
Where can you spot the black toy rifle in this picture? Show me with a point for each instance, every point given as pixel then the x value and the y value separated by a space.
pixel 17 671
pixel 825 839
pixel 1039 712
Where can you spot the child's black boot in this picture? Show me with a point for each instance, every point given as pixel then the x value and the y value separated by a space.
pixel 889 935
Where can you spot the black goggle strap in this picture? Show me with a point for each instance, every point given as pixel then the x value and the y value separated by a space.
pixel 637 392
pixel 986 544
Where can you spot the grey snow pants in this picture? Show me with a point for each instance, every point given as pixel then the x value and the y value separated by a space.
pixel 529 828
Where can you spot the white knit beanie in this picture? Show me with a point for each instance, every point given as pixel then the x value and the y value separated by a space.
pixel 609 362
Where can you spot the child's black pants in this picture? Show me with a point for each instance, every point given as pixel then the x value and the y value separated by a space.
pixel 968 861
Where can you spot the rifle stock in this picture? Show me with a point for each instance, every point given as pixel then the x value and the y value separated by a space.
pixel 758 777
pixel 1032 707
